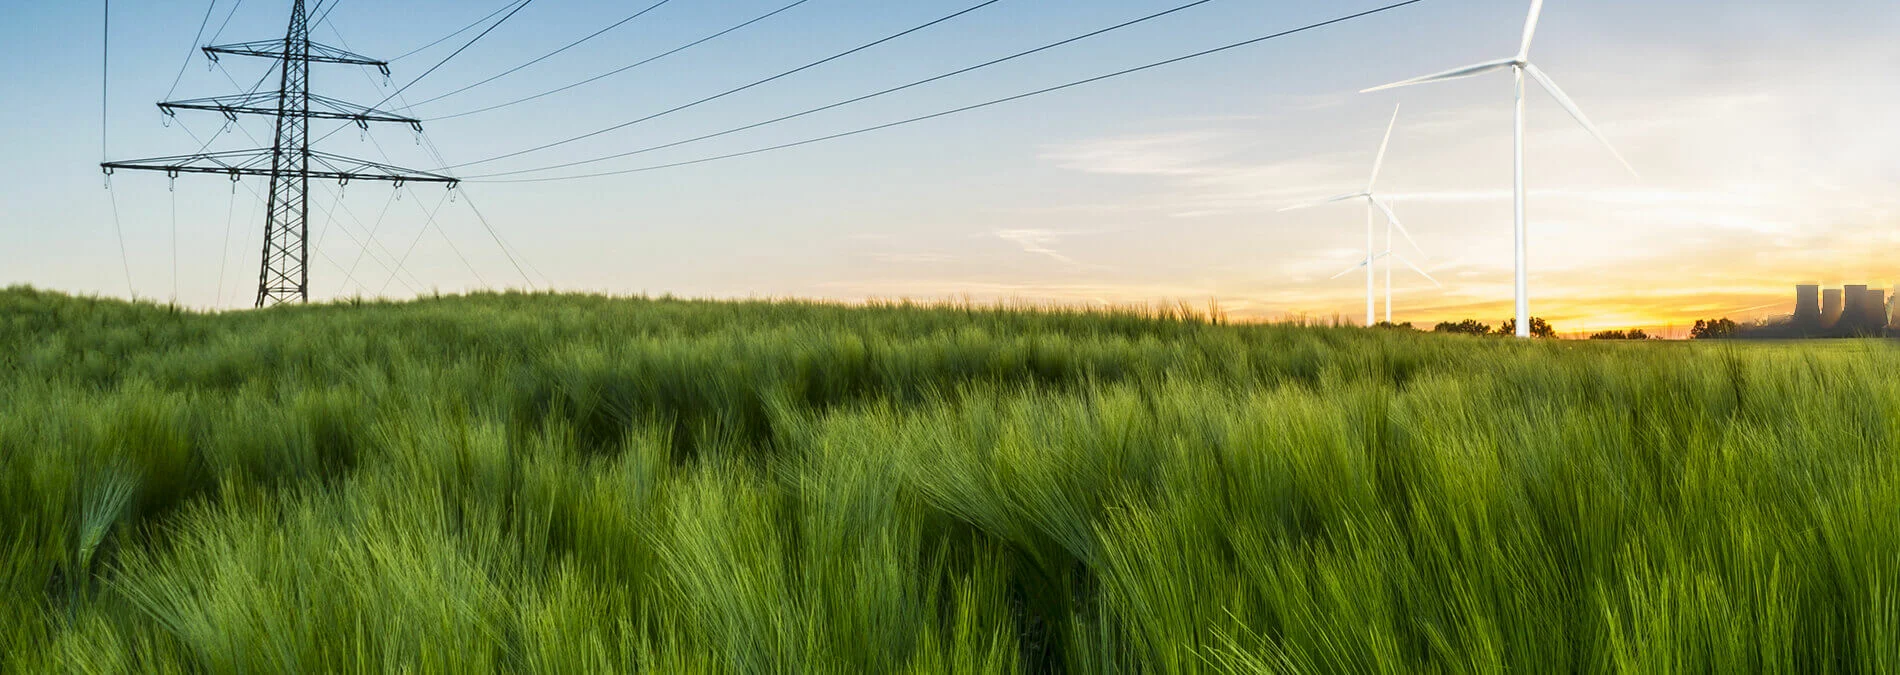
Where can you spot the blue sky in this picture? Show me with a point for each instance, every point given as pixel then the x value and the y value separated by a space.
pixel 1763 130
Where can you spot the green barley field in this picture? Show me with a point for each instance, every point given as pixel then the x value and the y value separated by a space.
pixel 576 484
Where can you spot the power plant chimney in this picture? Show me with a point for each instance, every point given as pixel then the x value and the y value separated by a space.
pixel 1807 306
pixel 1831 307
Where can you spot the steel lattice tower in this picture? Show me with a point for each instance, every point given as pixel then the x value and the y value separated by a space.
pixel 284 274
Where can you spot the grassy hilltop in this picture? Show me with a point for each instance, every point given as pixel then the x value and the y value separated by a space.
pixel 568 484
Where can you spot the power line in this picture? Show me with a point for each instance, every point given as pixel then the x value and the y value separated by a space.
pixel 412 245
pixel 224 252
pixel 865 97
pixel 977 106
pixel 458 52
pixel 105 101
pixel 174 191
pixel 437 154
pixel 498 242
pixel 513 259
pixel 460 31
pixel 736 90
pixel 194 49
pixel 125 260
pixel 227 20
pixel 326 12
pixel 625 68
pixel 367 243
pixel 551 54
pixel 446 239
pixel 387 203
pixel 105 81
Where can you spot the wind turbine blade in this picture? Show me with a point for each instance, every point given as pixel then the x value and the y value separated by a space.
pixel 1453 74
pixel 1379 163
pixel 1420 272
pixel 1394 219
pixel 1309 205
pixel 1362 264
pixel 1530 29
pixel 1571 106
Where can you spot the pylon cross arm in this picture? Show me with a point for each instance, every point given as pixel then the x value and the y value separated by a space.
pixel 258 162
pixel 266 103
pixel 319 53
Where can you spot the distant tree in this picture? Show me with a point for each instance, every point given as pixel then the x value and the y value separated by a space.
pixel 1718 329
pixel 1539 328
pixel 1407 326
pixel 1637 334
pixel 1466 327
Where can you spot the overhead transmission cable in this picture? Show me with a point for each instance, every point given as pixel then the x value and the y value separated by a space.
pixel 549 55
pixel 450 36
pixel 326 12
pixel 436 152
pixel 202 24
pixel 105 108
pixel 373 231
pixel 736 90
pixel 515 259
pixel 224 252
pixel 978 106
pixel 413 244
pixel 866 97
pixel 227 20
pixel 174 192
pixel 458 52
pixel 504 247
pixel 625 68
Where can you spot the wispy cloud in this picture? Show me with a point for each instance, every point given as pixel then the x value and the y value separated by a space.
pixel 1038 242
pixel 1180 153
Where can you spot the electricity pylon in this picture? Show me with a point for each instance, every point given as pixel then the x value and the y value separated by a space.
pixel 289 162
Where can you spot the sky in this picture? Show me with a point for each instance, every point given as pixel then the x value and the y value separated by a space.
pixel 1762 130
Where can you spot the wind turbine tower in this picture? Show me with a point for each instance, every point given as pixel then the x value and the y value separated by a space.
pixel 1521 66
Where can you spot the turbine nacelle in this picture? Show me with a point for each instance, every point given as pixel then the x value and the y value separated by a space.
pixel 1522 64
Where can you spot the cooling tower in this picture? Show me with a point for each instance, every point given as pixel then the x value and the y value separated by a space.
pixel 1876 306
pixel 1854 311
pixel 1830 307
pixel 1807 306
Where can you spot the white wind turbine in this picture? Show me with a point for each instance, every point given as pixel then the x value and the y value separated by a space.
pixel 1373 205
pixel 1389 255
pixel 1521 65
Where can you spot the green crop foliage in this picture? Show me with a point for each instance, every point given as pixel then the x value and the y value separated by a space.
pixel 577 484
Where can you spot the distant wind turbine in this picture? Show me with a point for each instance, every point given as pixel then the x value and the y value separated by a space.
pixel 1373 205
pixel 1389 255
pixel 1521 65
